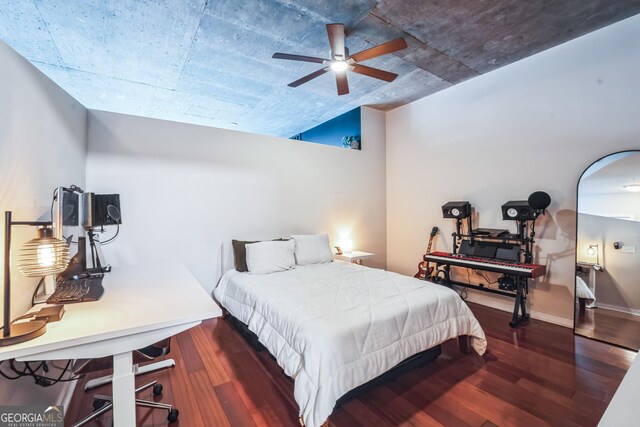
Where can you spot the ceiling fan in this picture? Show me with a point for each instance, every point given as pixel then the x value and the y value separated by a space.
pixel 341 61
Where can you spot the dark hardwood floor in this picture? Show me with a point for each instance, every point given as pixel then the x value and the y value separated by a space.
pixel 537 375
pixel 609 326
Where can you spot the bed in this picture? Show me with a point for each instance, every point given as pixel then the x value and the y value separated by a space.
pixel 335 326
pixel 583 294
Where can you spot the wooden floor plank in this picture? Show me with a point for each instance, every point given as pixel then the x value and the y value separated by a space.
pixel 435 403
pixel 341 417
pixel 545 408
pixel 489 406
pixel 209 358
pixel 192 359
pixel 234 408
pixel 364 414
pixel 207 399
pixel 276 374
pixel 265 417
pixel 588 405
pixel 539 374
pixel 250 397
pixel 563 373
pixel 610 326
pixel 264 389
pixel 222 336
pixel 184 395
pixel 396 409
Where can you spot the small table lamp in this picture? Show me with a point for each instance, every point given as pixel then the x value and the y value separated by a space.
pixel 41 256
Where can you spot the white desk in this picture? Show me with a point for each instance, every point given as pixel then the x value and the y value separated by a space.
pixel 140 306
pixel 354 256
pixel 623 408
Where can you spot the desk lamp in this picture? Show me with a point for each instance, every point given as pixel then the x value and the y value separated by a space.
pixel 593 251
pixel 41 256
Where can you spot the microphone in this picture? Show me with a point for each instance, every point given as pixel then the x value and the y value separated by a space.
pixel 74 189
pixel 539 200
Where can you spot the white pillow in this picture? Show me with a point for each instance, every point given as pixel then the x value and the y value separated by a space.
pixel 312 249
pixel 270 256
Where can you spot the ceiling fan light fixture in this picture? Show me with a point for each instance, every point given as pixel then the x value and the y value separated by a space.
pixel 342 61
pixel 339 66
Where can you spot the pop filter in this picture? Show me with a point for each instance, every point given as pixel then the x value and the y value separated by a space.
pixel 67 213
pixel 114 213
pixel 539 200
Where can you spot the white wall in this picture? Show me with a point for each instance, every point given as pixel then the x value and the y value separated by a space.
pixel 533 125
pixel 42 145
pixel 617 284
pixel 611 205
pixel 185 189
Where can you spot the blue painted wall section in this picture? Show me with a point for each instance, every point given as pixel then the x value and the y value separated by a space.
pixel 333 131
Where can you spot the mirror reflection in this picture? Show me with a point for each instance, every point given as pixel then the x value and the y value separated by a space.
pixel 608 251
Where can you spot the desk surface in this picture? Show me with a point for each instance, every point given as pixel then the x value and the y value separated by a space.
pixel 136 300
pixel 623 408
pixel 354 255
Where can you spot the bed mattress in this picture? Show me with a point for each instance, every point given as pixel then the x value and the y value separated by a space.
pixel 583 291
pixel 335 326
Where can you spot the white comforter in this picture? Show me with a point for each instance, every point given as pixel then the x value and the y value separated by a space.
pixel 335 326
pixel 583 291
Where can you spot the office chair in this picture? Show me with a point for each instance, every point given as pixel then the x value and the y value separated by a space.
pixel 103 404
pixel 139 370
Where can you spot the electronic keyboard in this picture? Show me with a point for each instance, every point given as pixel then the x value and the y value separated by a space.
pixel 77 290
pixel 487 264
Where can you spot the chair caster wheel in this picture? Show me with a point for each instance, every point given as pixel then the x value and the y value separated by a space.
pixel 98 403
pixel 173 415
pixel 157 389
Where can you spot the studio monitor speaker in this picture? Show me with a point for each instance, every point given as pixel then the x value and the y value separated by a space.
pixel 518 210
pixel 456 210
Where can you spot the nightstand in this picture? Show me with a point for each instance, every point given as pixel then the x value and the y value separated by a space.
pixel 355 257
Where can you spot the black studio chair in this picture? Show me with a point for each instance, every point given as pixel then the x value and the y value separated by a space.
pixel 103 404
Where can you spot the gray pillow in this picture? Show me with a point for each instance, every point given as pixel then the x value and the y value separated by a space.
pixel 240 254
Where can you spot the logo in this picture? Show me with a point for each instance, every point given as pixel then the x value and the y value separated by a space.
pixel 31 416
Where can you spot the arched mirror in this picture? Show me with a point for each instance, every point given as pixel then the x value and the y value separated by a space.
pixel 608 251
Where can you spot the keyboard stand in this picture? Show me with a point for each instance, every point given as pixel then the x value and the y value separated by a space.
pixel 520 294
pixel 519 305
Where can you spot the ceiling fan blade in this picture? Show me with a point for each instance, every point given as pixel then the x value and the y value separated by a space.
pixel 342 83
pixel 336 40
pixel 308 77
pixel 383 49
pixel 374 72
pixel 303 58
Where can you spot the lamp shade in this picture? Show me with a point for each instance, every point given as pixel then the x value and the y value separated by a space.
pixel 43 255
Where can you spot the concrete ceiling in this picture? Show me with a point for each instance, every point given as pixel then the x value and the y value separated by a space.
pixel 209 61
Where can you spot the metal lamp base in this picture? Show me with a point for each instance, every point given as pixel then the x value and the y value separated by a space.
pixel 25 331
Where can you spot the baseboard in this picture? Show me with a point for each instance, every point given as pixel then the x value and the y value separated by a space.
pixel 507 305
pixel 619 309
pixel 552 318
